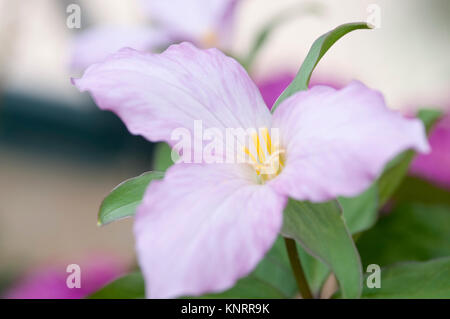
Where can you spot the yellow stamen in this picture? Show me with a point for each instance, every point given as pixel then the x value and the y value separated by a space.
pixel 267 140
pixel 268 160
pixel 259 151
pixel 247 151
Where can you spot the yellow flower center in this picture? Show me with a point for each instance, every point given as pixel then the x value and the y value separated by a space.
pixel 265 155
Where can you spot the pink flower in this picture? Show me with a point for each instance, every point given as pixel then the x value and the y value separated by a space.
pixel 94 45
pixel 435 166
pixel 206 225
pixel 272 87
pixel 205 22
pixel 49 282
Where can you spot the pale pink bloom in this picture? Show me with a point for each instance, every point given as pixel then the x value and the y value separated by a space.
pixel 204 226
pixel 435 166
pixel 94 45
pixel 207 23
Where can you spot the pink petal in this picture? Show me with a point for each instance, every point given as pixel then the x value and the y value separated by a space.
pixel 193 20
pixel 154 94
pixel 95 45
pixel 337 142
pixel 203 227
pixel 435 166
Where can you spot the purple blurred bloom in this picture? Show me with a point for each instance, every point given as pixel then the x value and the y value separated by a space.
pixel 272 87
pixel 204 226
pixel 435 166
pixel 49 282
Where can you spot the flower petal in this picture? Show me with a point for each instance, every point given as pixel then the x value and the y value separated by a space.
pixel 95 45
pixel 193 20
pixel 203 227
pixel 155 94
pixel 337 142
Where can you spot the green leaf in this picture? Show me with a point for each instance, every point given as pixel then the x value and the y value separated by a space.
pixel 397 169
pixel 429 117
pixel 270 27
pixel 421 280
pixel 321 231
pixel 316 272
pixel 130 286
pixel 393 175
pixel 317 51
pixel 411 232
pixel 125 197
pixel 162 159
pixel 360 212
pixel 417 190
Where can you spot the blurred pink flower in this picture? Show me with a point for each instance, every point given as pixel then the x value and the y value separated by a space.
pixel 49 282
pixel 94 45
pixel 204 226
pixel 435 166
pixel 208 23
pixel 273 86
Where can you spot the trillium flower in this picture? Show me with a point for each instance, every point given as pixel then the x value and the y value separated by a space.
pixel 204 226
pixel 208 23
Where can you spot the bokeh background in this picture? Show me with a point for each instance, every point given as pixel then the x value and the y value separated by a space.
pixel 60 155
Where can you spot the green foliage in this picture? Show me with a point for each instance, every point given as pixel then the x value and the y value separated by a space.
pixel 417 190
pixel 162 159
pixel 360 212
pixel 411 232
pixel 422 280
pixel 125 197
pixel 321 230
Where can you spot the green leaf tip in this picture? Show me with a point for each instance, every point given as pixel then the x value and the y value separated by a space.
pixel 122 201
pixel 316 52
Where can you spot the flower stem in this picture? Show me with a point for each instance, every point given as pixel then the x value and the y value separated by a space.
pixel 296 266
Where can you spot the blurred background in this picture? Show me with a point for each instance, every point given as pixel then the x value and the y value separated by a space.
pixel 60 155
